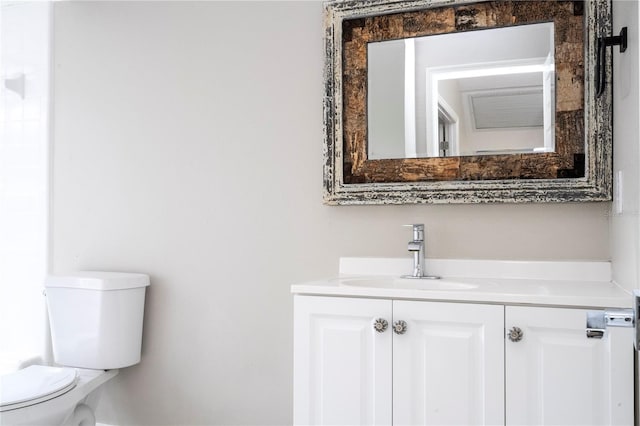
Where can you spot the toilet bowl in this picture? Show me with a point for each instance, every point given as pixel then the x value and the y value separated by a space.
pixel 41 395
pixel 96 329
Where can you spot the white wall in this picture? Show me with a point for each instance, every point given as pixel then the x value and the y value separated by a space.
pixel 625 218
pixel 188 145
pixel 625 224
pixel 24 177
pixel 386 100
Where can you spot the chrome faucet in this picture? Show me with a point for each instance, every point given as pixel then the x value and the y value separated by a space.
pixel 416 247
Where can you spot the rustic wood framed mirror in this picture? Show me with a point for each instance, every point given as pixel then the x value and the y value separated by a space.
pixel 459 101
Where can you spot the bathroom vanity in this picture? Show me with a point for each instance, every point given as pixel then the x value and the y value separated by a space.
pixel 489 343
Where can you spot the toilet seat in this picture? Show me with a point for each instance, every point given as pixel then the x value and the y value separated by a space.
pixel 35 384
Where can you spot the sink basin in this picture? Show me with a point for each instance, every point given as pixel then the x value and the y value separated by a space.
pixel 407 283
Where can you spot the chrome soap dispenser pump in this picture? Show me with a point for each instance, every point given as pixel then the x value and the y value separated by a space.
pixel 417 248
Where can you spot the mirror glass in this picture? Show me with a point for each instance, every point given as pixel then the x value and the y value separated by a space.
pixel 484 92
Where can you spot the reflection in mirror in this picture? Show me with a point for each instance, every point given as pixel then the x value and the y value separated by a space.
pixel 483 92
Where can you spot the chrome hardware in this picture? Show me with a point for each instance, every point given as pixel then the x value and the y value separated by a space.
pixel 515 334
pixel 416 247
pixel 595 324
pixel 380 325
pixel 598 321
pixel 619 318
pixel 400 327
pixel 595 334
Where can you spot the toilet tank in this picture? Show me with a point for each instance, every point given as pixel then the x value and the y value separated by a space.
pixel 96 318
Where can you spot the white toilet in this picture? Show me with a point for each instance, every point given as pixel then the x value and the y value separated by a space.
pixel 96 328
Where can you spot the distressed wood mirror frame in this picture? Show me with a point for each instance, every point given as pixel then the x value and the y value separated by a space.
pixel 350 178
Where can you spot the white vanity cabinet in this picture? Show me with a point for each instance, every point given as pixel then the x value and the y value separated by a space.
pixel 454 364
pixel 448 364
pixel 444 368
pixel 555 375
pixel 342 368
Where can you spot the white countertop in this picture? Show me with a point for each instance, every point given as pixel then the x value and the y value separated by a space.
pixel 522 283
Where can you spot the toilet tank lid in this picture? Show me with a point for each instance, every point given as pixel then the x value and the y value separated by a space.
pixel 98 280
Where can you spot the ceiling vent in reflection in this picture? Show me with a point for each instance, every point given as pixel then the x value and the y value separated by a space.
pixel 507 108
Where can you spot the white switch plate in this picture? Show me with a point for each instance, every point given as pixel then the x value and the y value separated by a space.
pixel 617 197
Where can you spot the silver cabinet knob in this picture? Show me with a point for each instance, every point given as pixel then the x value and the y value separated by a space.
pixel 515 334
pixel 399 327
pixel 380 325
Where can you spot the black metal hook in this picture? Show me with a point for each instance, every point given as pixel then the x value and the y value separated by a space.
pixel 603 42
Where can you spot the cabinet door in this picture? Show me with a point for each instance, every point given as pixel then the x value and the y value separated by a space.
pixel 342 366
pixel 556 375
pixel 448 367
